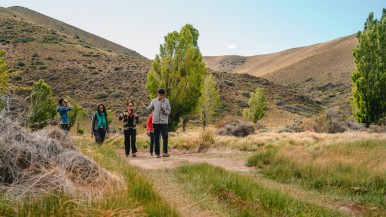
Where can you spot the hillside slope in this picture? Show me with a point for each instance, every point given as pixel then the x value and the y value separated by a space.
pixel 90 73
pixel 53 24
pixel 321 71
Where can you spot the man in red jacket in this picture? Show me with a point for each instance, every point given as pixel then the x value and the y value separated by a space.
pixel 150 132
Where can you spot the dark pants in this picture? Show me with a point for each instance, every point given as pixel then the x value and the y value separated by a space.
pixel 100 135
pixel 151 135
pixel 65 127
pixel 130 139
pixel 161 129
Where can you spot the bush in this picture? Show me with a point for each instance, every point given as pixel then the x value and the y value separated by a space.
pixel 205 141
pixel 118 94
pixel 101 95
pixel 331 121
pixel 237 128
pixel 46 162
pixel 242 104
pixel 20 64
pixel 229 83
pixel 224 121
pixel 80 131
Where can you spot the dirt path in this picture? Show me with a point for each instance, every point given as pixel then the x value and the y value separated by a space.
pixel 232 161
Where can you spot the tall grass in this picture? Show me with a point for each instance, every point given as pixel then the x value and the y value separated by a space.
pixel 356 170
pixel 138 189
pixel 240 195
pixel 135 197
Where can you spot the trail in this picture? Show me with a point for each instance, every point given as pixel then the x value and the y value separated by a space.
pixel 231 161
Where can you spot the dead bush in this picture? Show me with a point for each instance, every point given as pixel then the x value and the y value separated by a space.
pixel 205 141
pixel 46 162
pixel 237 128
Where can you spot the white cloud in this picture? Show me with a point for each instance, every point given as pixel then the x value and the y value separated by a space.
pixel 232 46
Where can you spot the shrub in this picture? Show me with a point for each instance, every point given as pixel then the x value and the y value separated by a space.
pixel 46 162
pixel 224 121
pixel 242 104
pixel 205 141
pixel 20 64
pixel 237 128
pixel 229 83
pixel 331 121
pixel 118 94
pixel 101 95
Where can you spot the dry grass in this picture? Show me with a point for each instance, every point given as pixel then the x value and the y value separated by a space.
pixel 46 162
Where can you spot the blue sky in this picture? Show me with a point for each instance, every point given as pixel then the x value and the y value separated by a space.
pixel 242 27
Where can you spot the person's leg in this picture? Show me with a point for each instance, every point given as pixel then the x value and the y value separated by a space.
pixel 127 142
pixel 102 134
pixel 151 143
pixel 165 137
pixel 133 140
pixel 157 132
pixel 65 127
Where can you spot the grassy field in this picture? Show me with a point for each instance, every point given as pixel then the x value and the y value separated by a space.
pixel 306 174
pixel 352 170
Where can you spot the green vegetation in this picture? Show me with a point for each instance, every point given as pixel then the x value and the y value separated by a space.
pixel 43 106
pixel 209 101
pixel 369 79
pixel 328 169
pixel 76 115
pixel 138 189
pixel 257 106
pixel 179 69
pixel 239 195
pixel 3 73
pixel 3 78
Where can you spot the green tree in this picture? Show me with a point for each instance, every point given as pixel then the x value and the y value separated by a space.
pixel 3 73
pixel 257 106
pixel 209 101
pixel 3 78
pixel 110 116
pixel 180 70
pixel 76 115
pixel 369 79
pixel 43 107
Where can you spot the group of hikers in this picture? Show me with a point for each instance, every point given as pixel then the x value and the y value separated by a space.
pixel 157 123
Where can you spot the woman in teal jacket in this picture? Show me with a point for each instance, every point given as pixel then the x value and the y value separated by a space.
pixel 99 125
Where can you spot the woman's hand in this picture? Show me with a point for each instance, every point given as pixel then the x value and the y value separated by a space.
pixel 92 135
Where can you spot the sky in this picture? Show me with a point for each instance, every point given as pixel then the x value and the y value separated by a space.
pixel 227 27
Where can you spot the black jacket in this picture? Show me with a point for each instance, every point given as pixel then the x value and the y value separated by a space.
pixel 129 121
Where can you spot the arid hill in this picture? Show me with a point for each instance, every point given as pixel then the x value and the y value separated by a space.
pixel 91 69
pixel 321 71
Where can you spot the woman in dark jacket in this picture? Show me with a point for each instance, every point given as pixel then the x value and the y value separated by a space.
pixel 99 125
pixel 130 120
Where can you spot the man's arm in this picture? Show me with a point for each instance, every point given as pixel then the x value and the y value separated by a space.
pixel 150 108
pixel 168 108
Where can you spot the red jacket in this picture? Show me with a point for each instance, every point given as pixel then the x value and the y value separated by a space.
pixel 149 125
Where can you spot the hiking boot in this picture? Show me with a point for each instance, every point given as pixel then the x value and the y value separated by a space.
pixel 158 156
pixel 165 155
pixel 134 155
pixel 151 154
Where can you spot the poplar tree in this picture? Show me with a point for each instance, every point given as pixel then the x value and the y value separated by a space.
pixel 180 70
pixel 369 79
pixel 209 101
pixel 257 106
